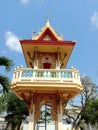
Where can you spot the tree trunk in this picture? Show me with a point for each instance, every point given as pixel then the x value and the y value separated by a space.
pixel 13 126
pixel 75 127
pixel 18 127
pixel 7 126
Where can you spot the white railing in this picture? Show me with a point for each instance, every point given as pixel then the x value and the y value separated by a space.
pixel 29 74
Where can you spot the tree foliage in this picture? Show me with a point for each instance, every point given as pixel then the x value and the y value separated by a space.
pixel 4 81
pixel 91 112
pixel 16 111
pixel 6 62
pixel 3 102
pixel 79 104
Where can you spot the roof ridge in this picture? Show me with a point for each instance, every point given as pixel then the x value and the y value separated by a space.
pixel 47 25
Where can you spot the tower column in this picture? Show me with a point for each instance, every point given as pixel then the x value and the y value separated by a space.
pixel 36 60
pixel 60 116
pixel 58 59
pixel 56 124
pixel 31 117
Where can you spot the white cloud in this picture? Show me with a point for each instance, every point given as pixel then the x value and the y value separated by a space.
pixel 12 42
pixel 25 1
pixel 94 20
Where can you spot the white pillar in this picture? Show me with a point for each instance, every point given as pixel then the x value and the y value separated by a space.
pixel 60 123
pixel 60 116
pixel 58 59
pixel 56 125
pixel 36 59
pixel 31 119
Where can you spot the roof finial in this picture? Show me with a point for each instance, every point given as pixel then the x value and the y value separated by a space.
pixel 47 18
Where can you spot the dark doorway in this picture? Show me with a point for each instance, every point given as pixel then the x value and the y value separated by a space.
pixel 46 65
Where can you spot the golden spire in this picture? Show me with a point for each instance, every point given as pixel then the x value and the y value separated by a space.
pixel 47 18
pixel 47 25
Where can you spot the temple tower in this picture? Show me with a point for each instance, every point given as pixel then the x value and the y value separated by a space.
pixel 45 81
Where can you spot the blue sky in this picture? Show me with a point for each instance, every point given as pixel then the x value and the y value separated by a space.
pixel 74 19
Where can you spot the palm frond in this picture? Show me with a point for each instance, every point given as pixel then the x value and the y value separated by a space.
pixel 6 62
pixel 5 83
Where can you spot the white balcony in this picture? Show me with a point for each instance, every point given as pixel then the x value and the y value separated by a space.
pixel 28 80
pixel 62 75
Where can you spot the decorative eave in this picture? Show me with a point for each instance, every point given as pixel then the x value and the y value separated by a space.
pixel 47 41
pixel 38 42
pixel 65 48
pixel 47 27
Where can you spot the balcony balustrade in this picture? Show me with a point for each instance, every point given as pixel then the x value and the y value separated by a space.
pixel 61 75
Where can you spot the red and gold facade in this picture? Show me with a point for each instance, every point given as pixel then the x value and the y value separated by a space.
pixel 46 81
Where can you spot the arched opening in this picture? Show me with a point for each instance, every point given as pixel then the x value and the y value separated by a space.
pixel 45 122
